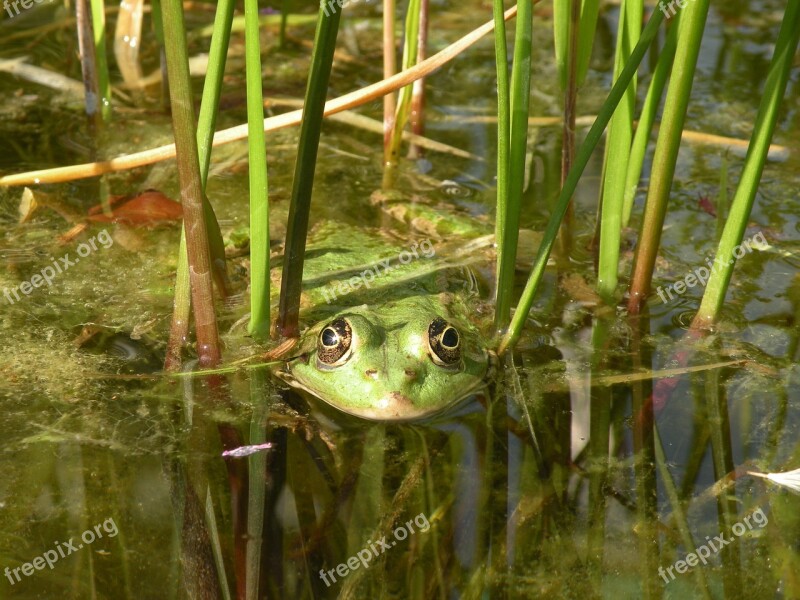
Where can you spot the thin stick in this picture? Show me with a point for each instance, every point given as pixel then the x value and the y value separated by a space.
pixel 348 101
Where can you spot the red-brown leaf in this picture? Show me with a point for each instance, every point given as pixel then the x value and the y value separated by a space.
pixel 148 208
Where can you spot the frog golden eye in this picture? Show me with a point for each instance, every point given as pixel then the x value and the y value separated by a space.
pixel 444 342
pixel 333 346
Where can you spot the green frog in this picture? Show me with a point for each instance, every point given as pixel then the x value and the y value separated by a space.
pixel 398 328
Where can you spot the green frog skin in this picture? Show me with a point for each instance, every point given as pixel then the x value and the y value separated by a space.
pixel 403 360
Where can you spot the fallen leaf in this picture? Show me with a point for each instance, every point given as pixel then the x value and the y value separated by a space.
pixel 148 208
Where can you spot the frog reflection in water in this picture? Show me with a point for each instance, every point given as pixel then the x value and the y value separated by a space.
pixel 402 340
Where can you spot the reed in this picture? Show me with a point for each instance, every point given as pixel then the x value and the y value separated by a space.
pixel 509 203
pixel 184 127
pixel 618 149
pixel 300 207
pixel 742 205
pixel 690 35
pixel 181 311
pixel 403 110
pixel 259 191
pixel 582 159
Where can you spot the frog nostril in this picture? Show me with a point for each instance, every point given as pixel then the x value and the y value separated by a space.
pixel 410 373
pixel 371 373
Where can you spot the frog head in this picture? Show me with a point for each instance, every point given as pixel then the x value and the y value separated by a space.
pixel 403 360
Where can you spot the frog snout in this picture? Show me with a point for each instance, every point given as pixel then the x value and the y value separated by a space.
pixel 395 403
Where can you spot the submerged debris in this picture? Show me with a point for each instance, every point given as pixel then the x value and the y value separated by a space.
pixel 789 479
pixel 242 451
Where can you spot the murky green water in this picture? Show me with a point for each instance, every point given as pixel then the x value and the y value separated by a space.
pixel 552 484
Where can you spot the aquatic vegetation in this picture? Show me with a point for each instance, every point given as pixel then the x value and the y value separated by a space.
pixel 511 368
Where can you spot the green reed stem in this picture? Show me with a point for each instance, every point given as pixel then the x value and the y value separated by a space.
pixel 503 143
pixel 561 34
pixel 101 56
pixel 259 205
pixel 568 136
pixel 179 328
pixel 742 205
pixel 647 119
pixel 181 309
pixel 184 128
pixel 590 9
pixel 284 22
pixel 509 206
pixel 88 61
pixel 297 228
pixel 206 124
pixel 690 35
pixel 722 199
pixel 582 159
pixel 618 148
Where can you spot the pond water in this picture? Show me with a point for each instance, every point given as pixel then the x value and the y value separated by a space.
pixel 606 458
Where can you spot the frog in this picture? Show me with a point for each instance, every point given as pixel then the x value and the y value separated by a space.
pixel 396 328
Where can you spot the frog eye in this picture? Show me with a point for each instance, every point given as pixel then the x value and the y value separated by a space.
pixel 444 342
pixel 333 346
